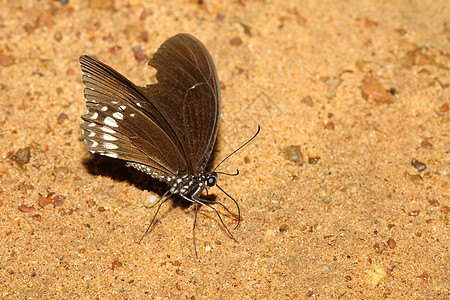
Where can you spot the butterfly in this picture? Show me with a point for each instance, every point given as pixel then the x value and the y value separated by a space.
pixel 167 129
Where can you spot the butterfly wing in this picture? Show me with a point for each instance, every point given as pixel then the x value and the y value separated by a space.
pixel 122 123
pixel 188 94
pixel 170 126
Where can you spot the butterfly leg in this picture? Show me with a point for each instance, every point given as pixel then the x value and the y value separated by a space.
pixel 237 205
pixel 167 196
pixel 237 217
pixel 193 229
pixel 201 202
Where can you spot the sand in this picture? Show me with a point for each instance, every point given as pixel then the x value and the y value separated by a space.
pixel 344 194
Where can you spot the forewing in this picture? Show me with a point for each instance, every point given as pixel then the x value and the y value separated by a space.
pixel 121 123
pixel 188 94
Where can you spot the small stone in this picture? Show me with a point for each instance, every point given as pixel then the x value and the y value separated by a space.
pixel 269 235
pixel 60 171
pixel 283 228
pixel 220 17
pixel 61 118
pixel 308 101
pixel 414 213
pixel 444 108
pixel 247 29
pixel 145 13
pixel 426 145
pixel 236 41
pixel 25 187
pixel 90 203
pixel 22 156
pixel 433 202
pixel 58 200
pixel 330 125
pixel 152 198
pixel 45 20
pixel 139 54
pixel 37 217
pixel 313 160
pixel 391 243
pixel 415 179
pixel 327 199
pixel 445 209
pixel 44 201
pixel 293 153
pixel 420 166
pixel 29 28
pixel 116 264
pixel 372 90
pixel 26 208
pixel 379 248
pixel 51 198
pixel 6 60
pixel 376 275
pixel 424 276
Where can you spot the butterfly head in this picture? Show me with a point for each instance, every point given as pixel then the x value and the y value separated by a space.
pixel 211 179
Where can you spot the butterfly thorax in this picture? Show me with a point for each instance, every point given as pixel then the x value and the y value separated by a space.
pixel 182 184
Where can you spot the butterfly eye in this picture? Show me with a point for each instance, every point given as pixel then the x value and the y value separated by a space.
pixel 211 180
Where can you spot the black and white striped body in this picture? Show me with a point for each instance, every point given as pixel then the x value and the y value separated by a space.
pixel 186 185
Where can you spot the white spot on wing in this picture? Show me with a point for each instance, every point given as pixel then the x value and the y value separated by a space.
pixel 111 154
pixel 94 116
pixel 138 104
pixel 118 115
pixel 108 137
pixel 91 124
pixel 132 115
pixel 94 144
pixel 122 107
pixel 107 129
pixel 110 146
pixel 91 134
pixel 104 108
pixel 111 122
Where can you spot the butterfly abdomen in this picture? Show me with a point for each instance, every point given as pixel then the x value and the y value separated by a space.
pixel 178 184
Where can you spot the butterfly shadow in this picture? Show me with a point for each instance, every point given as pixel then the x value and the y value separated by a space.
pixel 117 170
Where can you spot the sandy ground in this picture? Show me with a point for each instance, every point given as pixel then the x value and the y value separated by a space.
pixel 361 86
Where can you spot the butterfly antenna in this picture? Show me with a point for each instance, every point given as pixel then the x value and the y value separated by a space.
pixel 229 174
pixel 242 146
